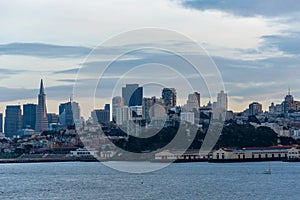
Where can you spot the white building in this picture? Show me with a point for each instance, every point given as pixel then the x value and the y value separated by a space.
pixel 264 153
pixel 193 102
pixel 123 114
pixel 117 102
pixel 222 101
pixel 295 133
pixel 188 117
pixel 294 153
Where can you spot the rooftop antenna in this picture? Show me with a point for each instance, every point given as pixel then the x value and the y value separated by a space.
pixel 289 91
pixel 71 98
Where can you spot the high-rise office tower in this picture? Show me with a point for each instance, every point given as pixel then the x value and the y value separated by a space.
pixel 107 106
pixel 289 104
pixel 169 96
pixel 52 118
pixel 117 102
pixel 68 113
pixel 1 123
pixel 41 113
pixel 222 101
pixel 255 108
pixel 101 115
pixel 132 95
pixel 123 115
pixel 148 103
pixel 29 116
pixel 193 102
pixel 13 120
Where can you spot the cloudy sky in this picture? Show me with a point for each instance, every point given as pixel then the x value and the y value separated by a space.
pixel 254 43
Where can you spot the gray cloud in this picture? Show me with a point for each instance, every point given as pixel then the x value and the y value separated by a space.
pixel 11 71
pixel 15 94
pixel 68 71
pixel 287 43
pixel 43 50
pixel 242 77
pixel 246 7
pixel 261 78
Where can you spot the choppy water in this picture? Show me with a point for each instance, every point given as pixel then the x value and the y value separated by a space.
pixel 178 181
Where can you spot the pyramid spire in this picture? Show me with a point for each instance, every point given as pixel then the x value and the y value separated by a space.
pixel 42 91
pixel 41 112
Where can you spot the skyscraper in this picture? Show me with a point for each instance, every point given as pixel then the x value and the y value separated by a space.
pixel 101 115
pixel 107 106
pixel 147 104
pixel 117 102
pixel 41 114
pixel 13 120
pixel 29 116
pixel 289 104
pixel 222 101
pixel 68 113
pixel 193 102
pixel 123 115
pixel 132 95
pixel 169 96
pixel 1 123
pixel 255 108
pixel 52 118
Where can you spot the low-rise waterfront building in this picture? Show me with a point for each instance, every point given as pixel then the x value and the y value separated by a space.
pixel 180 156
pixel 294 154
pixel 251 154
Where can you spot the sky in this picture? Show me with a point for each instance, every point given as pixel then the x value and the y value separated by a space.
pixel 255 45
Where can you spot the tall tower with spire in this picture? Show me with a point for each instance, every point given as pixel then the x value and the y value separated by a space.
pixel 41 113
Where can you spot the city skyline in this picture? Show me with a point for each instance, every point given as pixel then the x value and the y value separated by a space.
pixel 35 116
pixel 222 98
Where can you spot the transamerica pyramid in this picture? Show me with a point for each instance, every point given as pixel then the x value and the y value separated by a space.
pixel 41 112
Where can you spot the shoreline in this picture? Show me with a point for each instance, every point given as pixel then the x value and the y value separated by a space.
pixel 43 160
pixel 92 159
